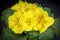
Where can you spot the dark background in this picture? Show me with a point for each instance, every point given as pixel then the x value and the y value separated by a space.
pixel 53 4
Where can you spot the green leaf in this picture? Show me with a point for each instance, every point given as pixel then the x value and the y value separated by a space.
pixel 7 34
pixel 32 35
pixel 48 35
pixel 39 5
pixel 49 11
pixel 56 27
pixel 6 13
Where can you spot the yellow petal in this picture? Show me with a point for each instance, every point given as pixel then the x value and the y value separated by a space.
pixel 49 22
pixel 17 15
pixel 43 29
pixel 11 24
pixel 17 29
pixel 15 7
pixel 45 14
pixel 35 28
pixel 27 28
pixel 11 18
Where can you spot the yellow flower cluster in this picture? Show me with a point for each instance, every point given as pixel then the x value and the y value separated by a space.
pixel 29 17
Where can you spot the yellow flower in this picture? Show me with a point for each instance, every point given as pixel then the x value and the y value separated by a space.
pixel 29 17
pixel 14 24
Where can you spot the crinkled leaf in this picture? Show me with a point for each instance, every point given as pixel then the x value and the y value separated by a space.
pixel 56 27
pixel 32 35
pixel 39 5
pixel 49 11
pixel 7 34
pixel 48 35
pixel 5 14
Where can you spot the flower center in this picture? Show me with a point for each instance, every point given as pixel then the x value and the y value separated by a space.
pixel 28 21
pixel 40 19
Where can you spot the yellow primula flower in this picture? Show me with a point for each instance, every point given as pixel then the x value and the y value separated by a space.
pixel 29 17
pixel 45 24
pixel 14 22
